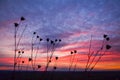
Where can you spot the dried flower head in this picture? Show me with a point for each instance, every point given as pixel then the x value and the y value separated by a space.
pixel 71 52
pixel 16 24
pixel 54 67
pixel 22 52
pixel 34 33
pixel 19 51
pixel 104 35
pixel 56 40
pixel 30 59
pixel 107 38
pixel 22 18
pixel 59 40
pixel 52 42
pixel 23 62
pixel 41 39
pixel 75 51
pixel 56 58
pixel 49 60
pixel 39 66
pixel 108 46
pixel 47 39
pixel 37 36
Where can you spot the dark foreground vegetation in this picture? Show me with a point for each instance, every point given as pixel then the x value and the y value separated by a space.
pixel 60 75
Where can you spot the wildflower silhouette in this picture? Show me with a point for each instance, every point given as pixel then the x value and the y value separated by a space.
pixel 91 61
pixel 51 46
pixel 17 43
pixel 73 55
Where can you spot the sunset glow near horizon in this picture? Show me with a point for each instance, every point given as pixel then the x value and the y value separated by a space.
pixel 72 21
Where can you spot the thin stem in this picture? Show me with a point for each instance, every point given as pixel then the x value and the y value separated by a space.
pixel 97 61
pixel 70 61
pixel 36 54
pixel 50 58
pixel 21 36
pixel 15 50
pixel 99 51
pixel 89 53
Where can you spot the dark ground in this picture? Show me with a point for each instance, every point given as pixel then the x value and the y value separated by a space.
pixel 23 75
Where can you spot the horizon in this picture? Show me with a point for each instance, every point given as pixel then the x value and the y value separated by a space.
pixel 74 22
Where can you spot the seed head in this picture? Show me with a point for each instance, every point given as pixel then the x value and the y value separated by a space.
pixel 104 35
pixel 41 39
pixel 59 40
pixel 52 42
pixel 49 60
pixel 22 18
pixel 23 62
pixel 54 67
pixel 108 46
pixel 75 51
pixel 19 52
pixel 39 66
pixel 56 40
pixel 22 52
pixel 16 24
pixel 37 36
pixel 34 33
pixel 47 39
pixel 30 59
pixel 71 52
pixel 107 38
pixel 56 58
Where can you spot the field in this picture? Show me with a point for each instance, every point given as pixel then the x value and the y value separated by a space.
pixel 60 75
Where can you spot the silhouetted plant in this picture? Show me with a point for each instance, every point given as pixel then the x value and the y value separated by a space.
pixel 51 49
pixel 90 65
pixel 73 53
pixel 17 57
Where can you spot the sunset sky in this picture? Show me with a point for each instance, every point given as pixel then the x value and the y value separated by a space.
pixel 72 21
